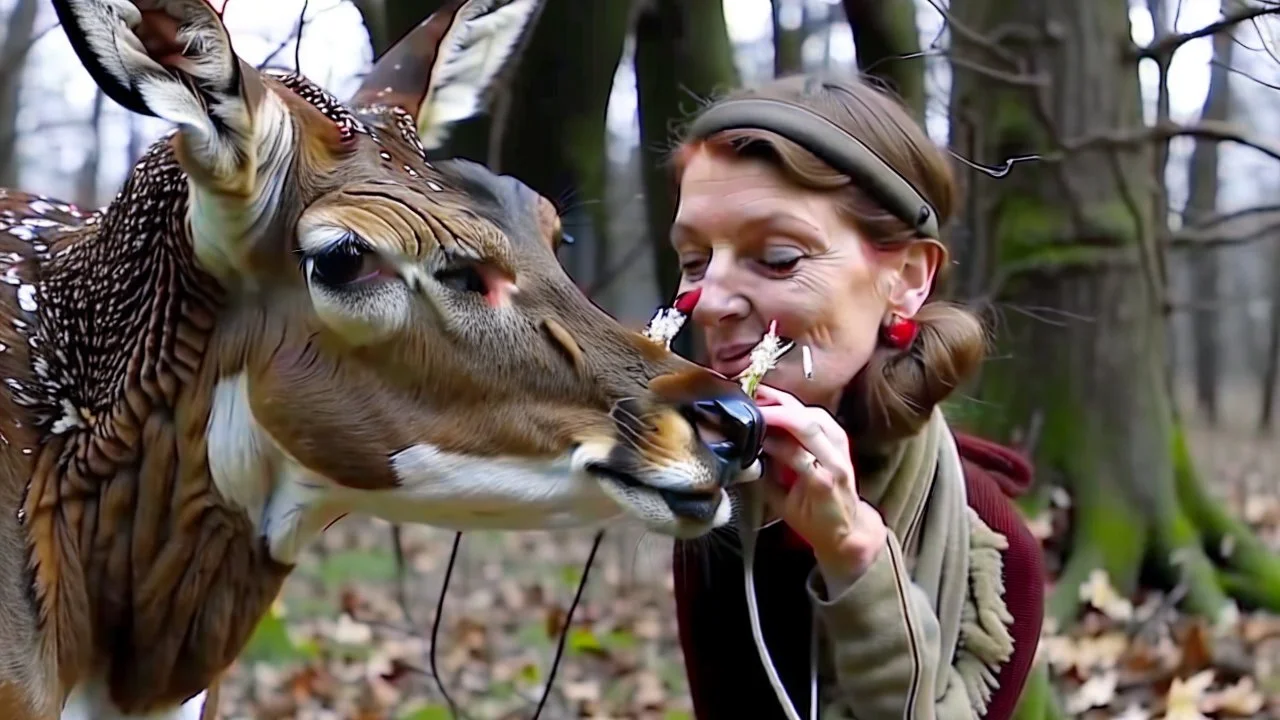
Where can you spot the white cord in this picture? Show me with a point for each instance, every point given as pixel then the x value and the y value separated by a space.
pixel 751 496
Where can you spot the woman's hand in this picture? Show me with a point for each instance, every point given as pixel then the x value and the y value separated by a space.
pixel 819 499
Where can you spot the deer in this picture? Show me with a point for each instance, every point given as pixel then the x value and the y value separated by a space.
pixel 290 313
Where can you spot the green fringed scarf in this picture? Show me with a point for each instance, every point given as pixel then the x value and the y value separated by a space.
pixel 952 555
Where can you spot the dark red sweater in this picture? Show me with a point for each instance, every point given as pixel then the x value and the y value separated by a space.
pixel 725 677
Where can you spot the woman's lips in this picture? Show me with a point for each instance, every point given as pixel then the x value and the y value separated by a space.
pixel 731 359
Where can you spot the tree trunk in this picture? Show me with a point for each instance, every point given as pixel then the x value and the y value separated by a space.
pixel 86 192
pixel 388 20
pixel 1202 200
pixel 1081 302
pixel 888 43
pixel 683 58
pixel 555 138
pixel 13 53
pixel 1271 366
pixel 790 25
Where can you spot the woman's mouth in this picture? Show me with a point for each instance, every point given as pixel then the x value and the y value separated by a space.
pixel 732 359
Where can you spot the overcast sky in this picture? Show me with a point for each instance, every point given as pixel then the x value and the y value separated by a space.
pixel 335 50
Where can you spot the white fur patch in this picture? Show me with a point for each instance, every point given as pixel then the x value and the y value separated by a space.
pixel 222 227
pixel 291 504
pixel 461 492
pixel 478 44
pixel 91 701
pixel 237 448
pixel 109 29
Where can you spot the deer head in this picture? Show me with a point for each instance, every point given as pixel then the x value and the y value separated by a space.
pixel 395 336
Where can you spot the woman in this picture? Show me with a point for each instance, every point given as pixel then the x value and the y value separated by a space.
pixel 816 204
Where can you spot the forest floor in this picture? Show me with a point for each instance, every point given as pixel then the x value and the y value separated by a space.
pixel 341 648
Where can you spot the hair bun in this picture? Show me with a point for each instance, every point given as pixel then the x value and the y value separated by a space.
pixel 894 395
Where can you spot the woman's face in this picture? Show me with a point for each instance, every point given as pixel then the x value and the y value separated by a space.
pixel 762 249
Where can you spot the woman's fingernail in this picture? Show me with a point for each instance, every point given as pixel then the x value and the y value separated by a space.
pixel 685 302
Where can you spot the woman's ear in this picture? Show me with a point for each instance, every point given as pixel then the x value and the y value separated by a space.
pixel 918 266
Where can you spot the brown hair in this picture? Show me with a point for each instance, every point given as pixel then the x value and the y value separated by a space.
pixel 893 396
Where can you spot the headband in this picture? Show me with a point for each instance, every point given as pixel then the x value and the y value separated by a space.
pixel 833 145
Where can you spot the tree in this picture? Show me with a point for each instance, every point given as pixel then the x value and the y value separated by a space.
pixel 1074 268
pixel 13 52
pixel 554 129
pixel 683 58
pixel 790 26
pixel 388 20
pixel 1202 200
pixel 888 44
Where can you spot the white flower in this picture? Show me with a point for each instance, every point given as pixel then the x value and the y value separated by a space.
pixel 665 325
pixel 764 357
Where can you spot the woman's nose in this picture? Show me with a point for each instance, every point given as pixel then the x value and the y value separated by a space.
pixel 721 298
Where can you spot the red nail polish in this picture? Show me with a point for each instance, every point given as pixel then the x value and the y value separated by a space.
pixel 787 477
pixel 793 539
pixel 685 302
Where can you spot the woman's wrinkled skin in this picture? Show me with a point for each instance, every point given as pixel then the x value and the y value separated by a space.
pixel 761 249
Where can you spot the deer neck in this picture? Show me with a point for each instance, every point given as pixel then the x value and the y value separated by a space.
pixel 142 572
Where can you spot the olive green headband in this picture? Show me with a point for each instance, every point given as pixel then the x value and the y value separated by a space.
pixel 833 145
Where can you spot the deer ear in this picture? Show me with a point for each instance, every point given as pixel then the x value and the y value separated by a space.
pixel 441 72
pixel 171 59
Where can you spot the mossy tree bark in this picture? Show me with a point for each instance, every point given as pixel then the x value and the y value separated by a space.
pixel 683 58
pixel 1080 366
pixel 888 43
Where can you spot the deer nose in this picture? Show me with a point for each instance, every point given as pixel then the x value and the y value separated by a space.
pixel 740 425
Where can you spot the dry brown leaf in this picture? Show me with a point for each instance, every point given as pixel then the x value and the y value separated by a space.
pixel 1196 641
pixel 1097 691
pixel 1100 594
pixel 1258 627
pixel 586 691
pixel 649 690
pixel 1134 711
pixel 1185 696
pixel 1041 526
pixel 1239 700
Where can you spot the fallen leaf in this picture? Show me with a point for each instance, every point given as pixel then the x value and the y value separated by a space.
pixel 1099 593
pixel 1239 700
pixel 1098 691
pixel 1185 697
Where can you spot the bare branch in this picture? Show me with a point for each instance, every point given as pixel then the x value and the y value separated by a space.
pixel 1165 46
pixel 1247 76
pixel 973 36
pixel 1205 130
pixel 1233 216
pixel 1198 238
pixel 1025 80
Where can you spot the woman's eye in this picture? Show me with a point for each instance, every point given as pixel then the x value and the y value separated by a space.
pixel 692 266
pixel 781 263
pixel 342 264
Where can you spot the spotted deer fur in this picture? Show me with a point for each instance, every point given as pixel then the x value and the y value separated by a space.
pixel 288 314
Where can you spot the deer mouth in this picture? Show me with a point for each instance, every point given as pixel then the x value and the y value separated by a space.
pixel 697 507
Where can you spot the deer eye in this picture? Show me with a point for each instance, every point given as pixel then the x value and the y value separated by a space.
pixel 462 278
pixel 342 263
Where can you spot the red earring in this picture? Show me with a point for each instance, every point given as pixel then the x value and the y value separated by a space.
pixel 900 332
